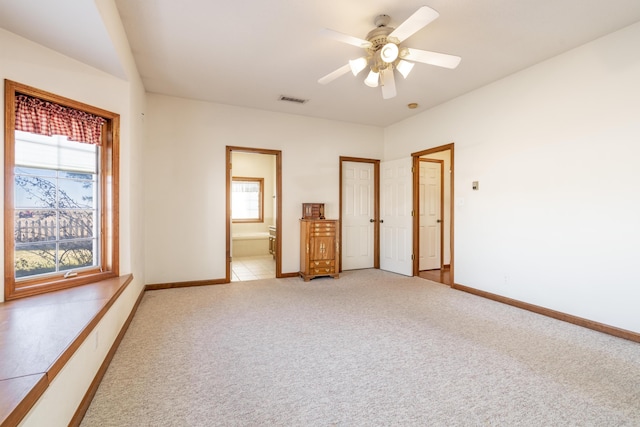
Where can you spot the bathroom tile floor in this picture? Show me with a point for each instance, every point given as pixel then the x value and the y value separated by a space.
pixel 253 268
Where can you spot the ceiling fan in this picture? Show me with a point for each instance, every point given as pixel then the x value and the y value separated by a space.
pixel 383 52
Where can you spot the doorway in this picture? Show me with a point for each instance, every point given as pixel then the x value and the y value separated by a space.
pixel 433 223
pixel 254 211
pixel 392 214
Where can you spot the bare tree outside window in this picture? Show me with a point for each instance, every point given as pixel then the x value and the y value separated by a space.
pixel 55 212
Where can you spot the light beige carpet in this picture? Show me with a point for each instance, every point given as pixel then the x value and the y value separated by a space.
pixel 369 349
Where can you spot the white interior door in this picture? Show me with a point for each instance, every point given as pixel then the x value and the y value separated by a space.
pixel 357 213
pixel 429 214
pixel 396 227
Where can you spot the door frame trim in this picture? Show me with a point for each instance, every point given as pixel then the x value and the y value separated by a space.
pixel 416 197
pixel 376 206
pixel 278 153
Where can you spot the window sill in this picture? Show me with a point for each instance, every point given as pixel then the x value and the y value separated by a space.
pixel 38 336
pixel 32 288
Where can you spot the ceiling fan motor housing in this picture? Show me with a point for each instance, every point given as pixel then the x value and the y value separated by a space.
pixel 378 38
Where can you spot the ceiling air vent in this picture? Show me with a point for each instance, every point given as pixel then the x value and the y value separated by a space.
pixel 292 99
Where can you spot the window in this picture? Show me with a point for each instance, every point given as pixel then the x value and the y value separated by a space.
pixel 60 192
pixel 247 197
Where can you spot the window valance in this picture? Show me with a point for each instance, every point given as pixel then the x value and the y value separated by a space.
pixel 47 118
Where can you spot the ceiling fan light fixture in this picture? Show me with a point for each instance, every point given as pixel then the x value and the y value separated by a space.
pixel 389 52
pixel 384 54
pixel 372 79
pixel 404 67
pixel 358 65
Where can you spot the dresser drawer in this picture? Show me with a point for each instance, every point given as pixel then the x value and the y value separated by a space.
pixel 322 231
pixel 319 271
pixel 323 225
pixel 322 263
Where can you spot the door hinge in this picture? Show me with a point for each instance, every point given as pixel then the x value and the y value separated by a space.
pixel 412 257
pixel 412 213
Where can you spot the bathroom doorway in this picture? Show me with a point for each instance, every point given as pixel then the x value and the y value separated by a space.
pixel 253 214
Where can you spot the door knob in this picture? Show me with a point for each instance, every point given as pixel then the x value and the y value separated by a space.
pixel 372 220
pixel 439 220
pixel 382 220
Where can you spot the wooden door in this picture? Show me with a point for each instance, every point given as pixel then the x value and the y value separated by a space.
pixel 430 214
pixel 357 215
pixel 396 228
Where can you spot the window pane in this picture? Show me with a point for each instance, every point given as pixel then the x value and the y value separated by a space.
pixel 76 193
pixel 76 254
pixel 76 175
pixel 35 226
pixel 21 170
pixel 76 224
pixel 245 199
pixel 35 258
pixel 34 192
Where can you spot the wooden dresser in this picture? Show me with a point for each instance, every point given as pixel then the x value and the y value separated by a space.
pixel 319 249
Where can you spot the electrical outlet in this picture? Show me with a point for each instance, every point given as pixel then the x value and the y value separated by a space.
pixel 474 185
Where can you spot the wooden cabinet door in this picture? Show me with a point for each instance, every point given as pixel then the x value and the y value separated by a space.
pixel 322 248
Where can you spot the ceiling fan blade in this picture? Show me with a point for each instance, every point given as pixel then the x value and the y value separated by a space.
pixel 432 58
pixel 414 23
pixel 334 74
pixel 345 38
pixel 388 83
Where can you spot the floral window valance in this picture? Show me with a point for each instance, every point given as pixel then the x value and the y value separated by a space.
pixel 47 118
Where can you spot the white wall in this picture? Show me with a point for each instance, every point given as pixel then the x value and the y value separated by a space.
pixel 555 149
pixel 28 63
pixel 185 191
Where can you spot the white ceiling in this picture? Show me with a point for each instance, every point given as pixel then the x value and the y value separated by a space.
pixel 249 52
